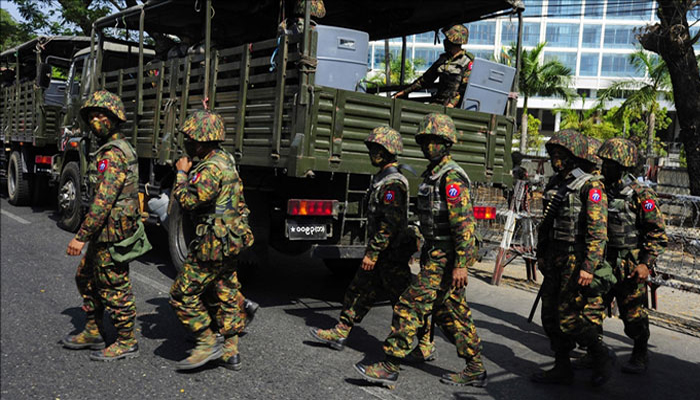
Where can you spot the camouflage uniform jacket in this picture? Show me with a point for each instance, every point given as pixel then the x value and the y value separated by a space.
pixel 453 72
pixel 213 192
pixel 114 211
pixel 580 222
pixel 445 210
pixel 635 220
pixel 387 202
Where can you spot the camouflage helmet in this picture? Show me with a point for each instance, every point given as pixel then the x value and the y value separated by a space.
pixel 437 124
pixel 318 10
pixel 204 126
pixel 104 101
pixel 571 140
pixel 457 34
pixel 592 150
pixel 387 138
pixel 619 150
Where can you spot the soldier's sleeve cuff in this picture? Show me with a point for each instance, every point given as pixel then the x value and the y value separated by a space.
pixel 372 255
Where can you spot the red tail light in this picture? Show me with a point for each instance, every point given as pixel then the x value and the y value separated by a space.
pixel 311 207
pixel 42 160
pixel 481 212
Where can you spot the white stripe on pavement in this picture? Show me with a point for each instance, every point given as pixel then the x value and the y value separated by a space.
pixel 380 393
pixel 16 218
pixel 150 282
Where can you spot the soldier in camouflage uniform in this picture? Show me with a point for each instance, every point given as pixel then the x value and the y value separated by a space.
pixel 213 194
pixel 112 217
pixel 389 248
pixel 593 162
pixel 447 224
pixel 570 248
pixel 637 236
pixel 453 68
pixel 295 25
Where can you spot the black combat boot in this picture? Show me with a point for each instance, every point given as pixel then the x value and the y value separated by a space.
pixel 250 308
pixel 562 373
pixel 603 361
pixel 639 360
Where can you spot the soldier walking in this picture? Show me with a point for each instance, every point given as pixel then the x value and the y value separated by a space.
pixel 636 238
pixel 389 248
pixel 571 240
pixel 447 224
pixel 113 217
pixel 453 68
pixel 213 194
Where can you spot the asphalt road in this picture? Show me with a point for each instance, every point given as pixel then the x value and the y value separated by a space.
pixel 40 304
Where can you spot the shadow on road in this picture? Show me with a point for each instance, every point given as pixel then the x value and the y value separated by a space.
pixel 163 324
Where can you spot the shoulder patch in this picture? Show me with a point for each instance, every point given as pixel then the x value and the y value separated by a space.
pixel 649 205
pixel 195 177
pixel 453 191
pixel 389 196
pixel 102 166
pixel 595 195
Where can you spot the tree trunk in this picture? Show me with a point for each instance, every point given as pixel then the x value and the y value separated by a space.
pixel 670 39
pixel 523 129
pixel 650 137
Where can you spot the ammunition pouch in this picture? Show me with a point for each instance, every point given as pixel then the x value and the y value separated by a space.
pixel 217 240
pixel 132 247
pixel 603 281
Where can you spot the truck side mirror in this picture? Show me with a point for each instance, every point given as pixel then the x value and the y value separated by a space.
pixel 44 77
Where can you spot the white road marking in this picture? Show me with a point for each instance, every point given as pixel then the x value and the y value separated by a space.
pixel 150 282
pixel 15 217
pixel 380 392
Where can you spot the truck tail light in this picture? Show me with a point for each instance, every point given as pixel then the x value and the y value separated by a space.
pixel 481 212
pixel 322 208
pixel 42 160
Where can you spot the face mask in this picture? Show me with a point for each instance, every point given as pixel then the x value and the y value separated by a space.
pixel 561 162
pixel 612 173
pixel 433 151
pixel 191 148
pixel 377 156
pixel 101 127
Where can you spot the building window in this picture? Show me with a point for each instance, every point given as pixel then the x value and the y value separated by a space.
pixel 428 57
pixel 483 32
pixel 379 55
pixel 567 59
pixel 485 54
pixel 562 35
pixel 533 8
pixel 589 64
pixel 427 37
pixel 593 9
pixel 619 36
pixel 618 65
pixel 509 33
pixel 564 9
pixel 591 36
pixel 626 9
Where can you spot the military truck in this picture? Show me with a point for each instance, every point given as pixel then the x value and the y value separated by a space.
pixel 32 106
pixel 298 142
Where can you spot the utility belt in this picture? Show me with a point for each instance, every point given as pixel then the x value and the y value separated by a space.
pixel 219 238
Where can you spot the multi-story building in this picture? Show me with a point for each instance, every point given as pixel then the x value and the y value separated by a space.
pixel 594 38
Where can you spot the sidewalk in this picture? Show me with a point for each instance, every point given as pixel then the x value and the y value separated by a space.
pixel 676 310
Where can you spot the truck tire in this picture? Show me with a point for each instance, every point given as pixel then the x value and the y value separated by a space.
pixel 18 184
pixel 180 234
pixel 69 198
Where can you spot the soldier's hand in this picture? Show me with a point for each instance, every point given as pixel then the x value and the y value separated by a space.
pixel 585 278
pixel 641 272
pixel 183 164
pixel 367 263
pixel 75 247
pixel 398 94
pixel 460 278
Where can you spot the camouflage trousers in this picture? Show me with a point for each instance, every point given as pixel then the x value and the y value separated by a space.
pixel 209 291
pixel 631 298
pixel 432 292
pixel 105 285
pixel 570 313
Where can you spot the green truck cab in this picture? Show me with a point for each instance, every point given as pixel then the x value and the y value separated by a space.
pixel 299 145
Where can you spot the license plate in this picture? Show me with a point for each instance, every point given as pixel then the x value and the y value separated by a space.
pixel 306 231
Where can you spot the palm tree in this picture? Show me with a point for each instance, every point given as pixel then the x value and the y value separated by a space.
pixel 642 95
pixel 545 79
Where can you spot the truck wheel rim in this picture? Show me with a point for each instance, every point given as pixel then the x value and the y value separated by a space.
pixel 67 196
pixel 12 180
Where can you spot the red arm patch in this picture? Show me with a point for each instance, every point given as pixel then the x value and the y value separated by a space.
pixel 595 195
pixel 195 178
pixel 102 166
pixel 649 205
pixel 389 196
pixel 453 191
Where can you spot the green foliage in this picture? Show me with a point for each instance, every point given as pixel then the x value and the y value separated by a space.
pixel 534 137
pixel 71 17
pixel 13 33
pixel 545 79
pixel 410 73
